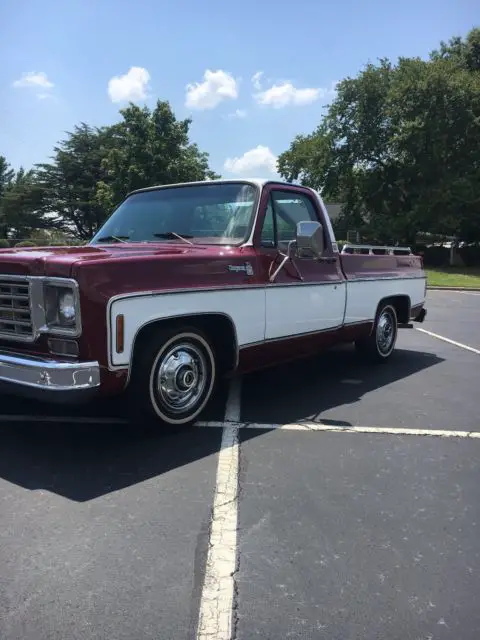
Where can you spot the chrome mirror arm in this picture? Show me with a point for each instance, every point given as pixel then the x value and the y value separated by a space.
pixel 286 257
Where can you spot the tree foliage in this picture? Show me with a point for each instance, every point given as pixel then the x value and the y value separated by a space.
pixel 94 168
pixel 70 181
pixel 149 147
pixel 400 146
pixel 20 201
pixel 464 53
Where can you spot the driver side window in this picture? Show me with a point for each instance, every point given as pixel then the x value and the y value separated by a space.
pixel 268 237
pixel 284 211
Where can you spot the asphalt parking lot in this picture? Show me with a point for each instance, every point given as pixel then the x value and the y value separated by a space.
pixel 323 499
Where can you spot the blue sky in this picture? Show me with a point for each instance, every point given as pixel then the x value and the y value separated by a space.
pixel 201 55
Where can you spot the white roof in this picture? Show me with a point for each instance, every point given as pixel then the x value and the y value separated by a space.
pixel 259 182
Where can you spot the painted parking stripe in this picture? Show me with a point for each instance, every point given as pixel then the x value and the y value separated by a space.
pixel 262 426
pixel 215 619
pixel 449 340
pixel 318 426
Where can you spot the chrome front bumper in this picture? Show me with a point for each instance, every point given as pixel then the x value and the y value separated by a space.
pixel 42 377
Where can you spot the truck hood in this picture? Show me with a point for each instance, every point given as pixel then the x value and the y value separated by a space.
pixel 59 261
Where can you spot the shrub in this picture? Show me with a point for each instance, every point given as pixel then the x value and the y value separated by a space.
pixel 435 256
pixel 26 243
pixel 470 255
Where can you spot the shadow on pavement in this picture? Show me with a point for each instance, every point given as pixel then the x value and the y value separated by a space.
pixel 306 388
pixel 101 408
pixel 84 461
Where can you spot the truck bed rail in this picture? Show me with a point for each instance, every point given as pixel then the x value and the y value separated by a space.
pixel 375 250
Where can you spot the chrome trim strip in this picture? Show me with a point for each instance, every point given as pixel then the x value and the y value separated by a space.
pixel 358 322
pixel 266 285
pixel 351 280
pixel 374 247
pixel 302 283
pixel 239 287
pixel 294 336
pixel 45 373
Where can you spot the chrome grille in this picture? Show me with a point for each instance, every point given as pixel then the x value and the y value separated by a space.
pixel 15 314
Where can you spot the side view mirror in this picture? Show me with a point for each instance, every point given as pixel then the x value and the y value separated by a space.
pixel 308 243
pixel 309 239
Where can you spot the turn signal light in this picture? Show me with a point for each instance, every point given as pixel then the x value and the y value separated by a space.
pixel 120 333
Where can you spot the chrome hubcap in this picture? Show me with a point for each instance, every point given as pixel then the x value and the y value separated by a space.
pixel 181 377
pixel 385 332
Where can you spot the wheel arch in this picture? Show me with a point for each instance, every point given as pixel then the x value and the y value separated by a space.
pixel 219 327
pixel 402 305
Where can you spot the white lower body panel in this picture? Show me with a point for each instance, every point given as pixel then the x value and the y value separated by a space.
pixel 363 296
pixel 259 313
pixel 303 308
pixel 245 307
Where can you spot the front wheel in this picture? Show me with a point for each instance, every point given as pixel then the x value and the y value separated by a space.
pixel 379 345
pixel 173 376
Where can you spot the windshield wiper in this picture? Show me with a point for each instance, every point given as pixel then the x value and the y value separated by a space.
pixel 110 238
pixel 173 234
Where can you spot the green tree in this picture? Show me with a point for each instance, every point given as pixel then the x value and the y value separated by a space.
pixel 150 147
pixel 70 181
pixel 400 147
pixel 20 202
pixel 465 53
pixel 6 176
pixel 436 109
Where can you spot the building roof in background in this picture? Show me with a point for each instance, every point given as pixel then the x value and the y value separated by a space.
pixel 334 209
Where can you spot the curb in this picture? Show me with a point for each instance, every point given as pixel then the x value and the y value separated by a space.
pixel 434 288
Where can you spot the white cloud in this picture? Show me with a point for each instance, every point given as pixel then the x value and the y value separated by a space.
pixel 285 94
pixel 37 79
pixel 238 114
pixel 131 87
pixel 256 80
pixel 260 158
pixel 216 87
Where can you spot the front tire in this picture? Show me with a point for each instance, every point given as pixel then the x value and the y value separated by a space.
pixel 379 345
pixel 173 376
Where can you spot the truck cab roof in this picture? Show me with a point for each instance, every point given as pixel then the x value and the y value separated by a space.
pixel 259 182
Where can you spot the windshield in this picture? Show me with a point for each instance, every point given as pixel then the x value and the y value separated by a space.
pixel 207 213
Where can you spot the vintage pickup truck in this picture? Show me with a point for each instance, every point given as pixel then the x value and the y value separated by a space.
pixel 187 283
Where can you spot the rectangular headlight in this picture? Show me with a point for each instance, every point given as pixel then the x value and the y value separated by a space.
pixel 62 309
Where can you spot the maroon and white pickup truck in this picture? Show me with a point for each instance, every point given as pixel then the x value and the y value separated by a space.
pixel 187 283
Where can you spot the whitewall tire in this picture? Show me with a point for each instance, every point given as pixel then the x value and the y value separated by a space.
pixel 174 375
pixel 380 344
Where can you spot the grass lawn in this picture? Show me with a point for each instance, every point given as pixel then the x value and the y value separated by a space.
pixel 453 277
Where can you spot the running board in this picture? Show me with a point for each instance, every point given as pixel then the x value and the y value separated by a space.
pixel 405 325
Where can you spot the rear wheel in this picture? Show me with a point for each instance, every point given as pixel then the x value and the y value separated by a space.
pixel 173 376
pixel 379 345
